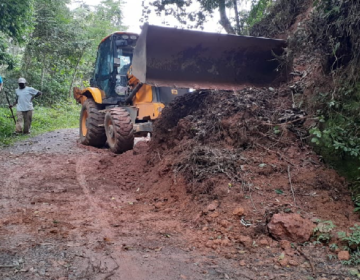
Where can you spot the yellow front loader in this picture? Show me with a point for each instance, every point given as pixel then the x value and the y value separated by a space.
pixel 136 76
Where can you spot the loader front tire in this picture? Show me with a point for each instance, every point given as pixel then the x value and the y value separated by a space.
pixel 119 130
pixel 92 132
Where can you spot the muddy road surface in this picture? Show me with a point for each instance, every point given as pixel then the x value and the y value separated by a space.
pixel 63 217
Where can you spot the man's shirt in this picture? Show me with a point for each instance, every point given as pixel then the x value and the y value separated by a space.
pixel 24 98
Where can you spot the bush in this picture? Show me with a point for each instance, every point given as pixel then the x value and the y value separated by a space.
pixel 352 241
pixel 333 32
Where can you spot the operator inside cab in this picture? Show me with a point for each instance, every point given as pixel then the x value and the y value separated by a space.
pixel 123 59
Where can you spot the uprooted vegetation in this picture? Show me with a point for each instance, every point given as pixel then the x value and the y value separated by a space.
pixel 240 141
pixel 219 127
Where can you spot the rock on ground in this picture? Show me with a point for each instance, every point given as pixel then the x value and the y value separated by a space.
pixel 291 227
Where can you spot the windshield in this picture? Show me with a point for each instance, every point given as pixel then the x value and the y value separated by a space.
pixel 125 56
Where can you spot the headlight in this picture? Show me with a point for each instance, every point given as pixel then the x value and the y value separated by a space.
pixel 133 37
pixel 125 36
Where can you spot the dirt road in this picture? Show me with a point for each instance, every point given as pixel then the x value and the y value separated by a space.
pixel 63 217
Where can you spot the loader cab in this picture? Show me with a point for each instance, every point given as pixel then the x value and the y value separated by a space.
pixel 114 58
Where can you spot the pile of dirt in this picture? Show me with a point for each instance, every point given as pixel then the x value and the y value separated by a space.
pixel 210 137
pixel 236 169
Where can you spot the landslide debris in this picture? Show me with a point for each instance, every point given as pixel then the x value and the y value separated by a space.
pixel 210 133
pixel 246 149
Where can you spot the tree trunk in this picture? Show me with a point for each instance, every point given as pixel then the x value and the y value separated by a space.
pixel 224 21
pixel 237 17
pixel 42 74
pixel 75 72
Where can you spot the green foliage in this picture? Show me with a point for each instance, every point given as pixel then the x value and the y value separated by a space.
pixel 238 23
pixel 279 191
pixel 258 11
pixel 5 57
pixel 322 232
pixel 334 34
pixel 179 9
pixel 333 247
pixel 16 18
pixel 192 18
pixel 353 239
pixel 62 48
pixel 337 133
pixel 276 130
pixel 47 62
pixel 269 19
pixel 353 244
pixel 45 119
pixel 338 137
pixel 15 23
pixel 7 127
pixel 59 115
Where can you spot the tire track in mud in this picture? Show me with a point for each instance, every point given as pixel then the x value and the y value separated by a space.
pixel 8 190
pixel 101 215
pixel 125 266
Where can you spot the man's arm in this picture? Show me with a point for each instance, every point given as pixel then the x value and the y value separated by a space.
pixel 16 101
pixel 1 86
pixel 39 93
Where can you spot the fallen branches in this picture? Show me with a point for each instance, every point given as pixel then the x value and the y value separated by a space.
pixel 291 186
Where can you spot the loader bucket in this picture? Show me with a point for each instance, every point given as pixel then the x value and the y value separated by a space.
pixel 191 59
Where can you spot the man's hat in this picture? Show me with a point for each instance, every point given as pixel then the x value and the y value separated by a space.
pixel 22 81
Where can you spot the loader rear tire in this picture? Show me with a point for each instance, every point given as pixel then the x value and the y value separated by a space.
pixel 119 130
pixel 92 132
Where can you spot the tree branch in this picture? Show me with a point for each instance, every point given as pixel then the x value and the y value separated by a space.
pixel 224 21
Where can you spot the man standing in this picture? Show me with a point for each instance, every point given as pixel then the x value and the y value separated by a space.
pixel 24 97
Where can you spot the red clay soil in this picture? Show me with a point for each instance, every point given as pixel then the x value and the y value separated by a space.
pixel 74 212
pixel 245 149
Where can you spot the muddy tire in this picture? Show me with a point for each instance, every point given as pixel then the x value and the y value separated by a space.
pixel 119 130
pixel 92 132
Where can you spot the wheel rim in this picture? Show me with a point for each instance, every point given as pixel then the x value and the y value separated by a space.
pixel 83 123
